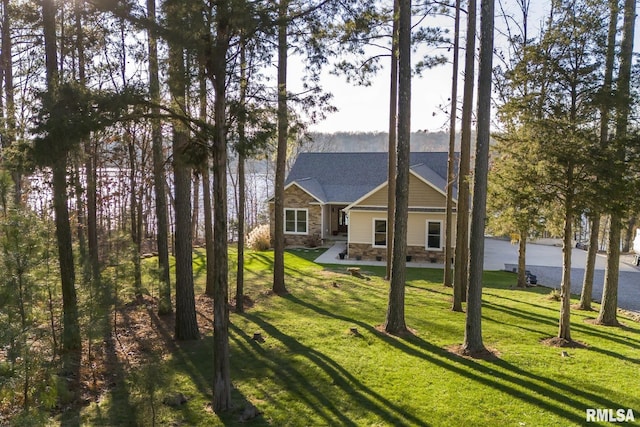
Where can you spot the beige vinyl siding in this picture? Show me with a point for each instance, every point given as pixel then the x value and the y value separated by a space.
pixel 424 195
pixel 379 198
pixel 416 229
pixel 417 226
pixel 420 194
pixel 361 226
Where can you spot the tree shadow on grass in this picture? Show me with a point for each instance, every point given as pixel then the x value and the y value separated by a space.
pixel 524 315
pixel 195 359
pixel 267 262
pixel 103 371
pixel 289 374
pixel 519 388
pixel 140 375
pixel 443 291
pixel 579 327
pixel 543 386
pixel 510 379
pixel 527 290
pixel 543 333
pixel 199 264
pixel 266 272
pixel 297 382
pixel 584 329
pixel 121 409
pixel 607 331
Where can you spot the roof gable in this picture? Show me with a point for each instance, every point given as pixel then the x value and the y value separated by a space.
pixel 432 178
pixel 422 193
pixel 311 186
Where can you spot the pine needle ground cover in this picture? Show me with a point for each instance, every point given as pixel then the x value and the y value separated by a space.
pixel 324 361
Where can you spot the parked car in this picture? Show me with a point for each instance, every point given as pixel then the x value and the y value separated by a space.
pixel 582 245
pixel 532 279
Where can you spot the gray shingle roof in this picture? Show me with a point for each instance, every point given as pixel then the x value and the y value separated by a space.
pixel 345 177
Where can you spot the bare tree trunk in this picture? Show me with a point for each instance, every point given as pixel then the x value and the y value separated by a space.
pixel 195 214
pixel 222 369
pixel 448 222
pixel 393 140
pixel 608 309
pixel 186 324
pixel 221 363
pixel 82 243
pixel 80 221
pixel 71 340
pixel 461 265
pixel 564 327
pixel 587 285
pixel 92 209
pixel 395 320
pixel 134 214
pixel 522 260
pixel 208 231
pixel 159 179
pixel 6 67
pixel 206 190
pixel 242 146
pixel 241 236
pixel 281 156
pixel 186 327
pixel 473 329
pixel 222 381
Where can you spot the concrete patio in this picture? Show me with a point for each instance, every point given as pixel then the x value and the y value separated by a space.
pixel 331 256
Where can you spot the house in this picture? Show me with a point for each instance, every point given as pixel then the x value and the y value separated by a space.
pixel 344 195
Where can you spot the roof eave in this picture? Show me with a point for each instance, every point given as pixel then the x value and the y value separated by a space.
pixel 320 202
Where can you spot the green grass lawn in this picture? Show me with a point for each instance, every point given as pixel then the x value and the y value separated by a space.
pixel 311 370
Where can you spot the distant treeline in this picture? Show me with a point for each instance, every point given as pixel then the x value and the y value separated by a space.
pixel 374 141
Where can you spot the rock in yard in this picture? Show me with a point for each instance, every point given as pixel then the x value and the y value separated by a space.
pixel 175 399
pixel 249 413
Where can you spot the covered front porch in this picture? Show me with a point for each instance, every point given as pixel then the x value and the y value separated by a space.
pixel 335 222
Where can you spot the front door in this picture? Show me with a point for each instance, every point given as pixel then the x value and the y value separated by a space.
pixel 339 220
pixel 342 221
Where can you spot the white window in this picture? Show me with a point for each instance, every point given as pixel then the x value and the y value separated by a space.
pixel 295 221
pixel 434 235
pixel 380 233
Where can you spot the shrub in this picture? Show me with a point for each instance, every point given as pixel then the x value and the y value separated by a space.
pixel 259 238
pixel 313 241
pixel 554 295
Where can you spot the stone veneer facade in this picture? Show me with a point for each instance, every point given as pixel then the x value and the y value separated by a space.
pixel 417 253
pixel 296 198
